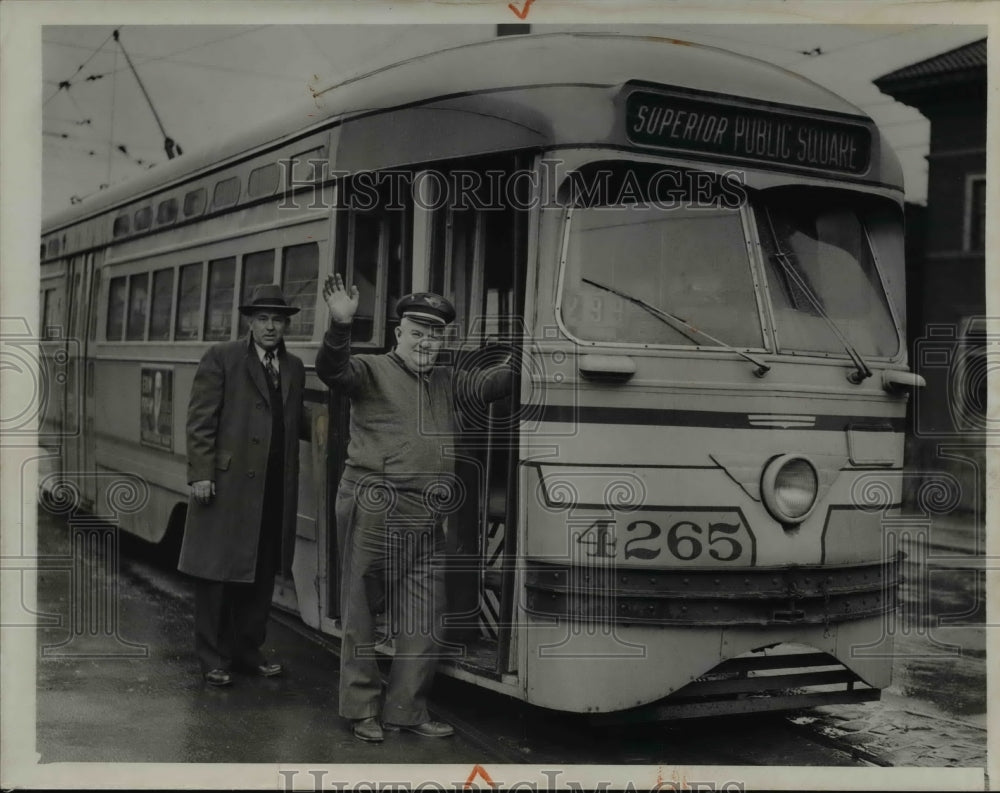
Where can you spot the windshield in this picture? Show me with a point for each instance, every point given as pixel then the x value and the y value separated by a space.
pixel 817 250
pixel 668 237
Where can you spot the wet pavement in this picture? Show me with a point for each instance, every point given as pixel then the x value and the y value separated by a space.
pixel 118 682
pixel 100 699
pixel 934 713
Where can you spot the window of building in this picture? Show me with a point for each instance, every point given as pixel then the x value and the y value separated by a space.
pixel 194 202
pixel 263 181
pixel 54 246
pixel 143 218
pixel 166 212
pixel 219 314
pixel 300 271
pixel 258 268
pixel 162 298
pixel 188 303
pixel 117 291
pixel 121 227
pixel 975 213
pixel 138 294
pixel 226 192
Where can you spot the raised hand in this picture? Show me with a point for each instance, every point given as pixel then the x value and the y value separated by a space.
pixel 343 303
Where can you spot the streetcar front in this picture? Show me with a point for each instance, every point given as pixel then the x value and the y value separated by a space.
pixel 711 479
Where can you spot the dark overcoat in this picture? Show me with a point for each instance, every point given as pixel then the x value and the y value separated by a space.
pixel 228 440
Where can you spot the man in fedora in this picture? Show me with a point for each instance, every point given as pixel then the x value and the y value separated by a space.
pixel 243 466
pixel 396 484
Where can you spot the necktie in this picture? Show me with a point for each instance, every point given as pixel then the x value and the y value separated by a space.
pixel 272 373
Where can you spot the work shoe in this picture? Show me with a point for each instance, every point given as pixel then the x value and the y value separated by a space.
pixel 263 669
pixel 368 730
pixel 218 677
pixel 428 729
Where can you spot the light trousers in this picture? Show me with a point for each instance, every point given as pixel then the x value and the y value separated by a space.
pixel 394 557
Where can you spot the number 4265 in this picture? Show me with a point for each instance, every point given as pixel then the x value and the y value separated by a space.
pixel 684 540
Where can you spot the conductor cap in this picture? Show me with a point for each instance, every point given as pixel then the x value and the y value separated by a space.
pixel 426 308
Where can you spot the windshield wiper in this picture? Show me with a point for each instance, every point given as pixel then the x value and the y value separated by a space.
pixel 682 327
pixel 863 372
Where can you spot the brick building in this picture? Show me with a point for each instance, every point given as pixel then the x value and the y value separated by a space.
pixel 946 284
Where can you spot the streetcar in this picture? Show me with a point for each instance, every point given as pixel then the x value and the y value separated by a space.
pixel 696 260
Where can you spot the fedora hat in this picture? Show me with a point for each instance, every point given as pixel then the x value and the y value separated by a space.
pixel 268 297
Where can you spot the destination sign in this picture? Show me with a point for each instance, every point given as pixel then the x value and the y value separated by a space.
pixel 772 136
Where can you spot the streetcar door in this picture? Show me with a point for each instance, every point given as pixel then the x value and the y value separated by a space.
pixel 78 391
pixel 374 240
pixel 477 255
pixel 52 313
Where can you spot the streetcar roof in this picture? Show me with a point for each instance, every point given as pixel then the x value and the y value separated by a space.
pixel 510 62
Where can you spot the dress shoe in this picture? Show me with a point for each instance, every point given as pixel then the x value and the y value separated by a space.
pixel 428 729
pixel 368 730
pixel 218 677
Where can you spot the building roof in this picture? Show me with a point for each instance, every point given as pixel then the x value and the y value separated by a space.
pixel 960 63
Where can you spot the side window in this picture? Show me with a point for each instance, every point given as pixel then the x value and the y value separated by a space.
pixel 194 202
pixel 117 291
pixel 226 192
pixel 219 314
pixel 138 294
pixel 365 237
pixel 49 318
pixel 189 303
pixel 378 243
pixel 300 271
pixel 74 306
pixel 121 226
pixel 263 180
pixel 160 304
pixel 456 267
pixel 258 268
pixel 95 291
pixel 166 212
pixel 498 272
pixel 143 218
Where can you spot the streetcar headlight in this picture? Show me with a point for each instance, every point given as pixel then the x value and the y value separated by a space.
pixel 789 486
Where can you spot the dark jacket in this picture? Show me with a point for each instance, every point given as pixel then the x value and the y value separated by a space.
pixel 228 440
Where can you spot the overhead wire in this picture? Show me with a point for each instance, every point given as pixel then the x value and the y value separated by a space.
pixel 114 96
pixel 140 157
pixel 169 144
pixel 747 42
pixel 170 57
pixel 864 42
pixel 68 82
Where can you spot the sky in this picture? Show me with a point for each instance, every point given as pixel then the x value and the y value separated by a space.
pixel 207 82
